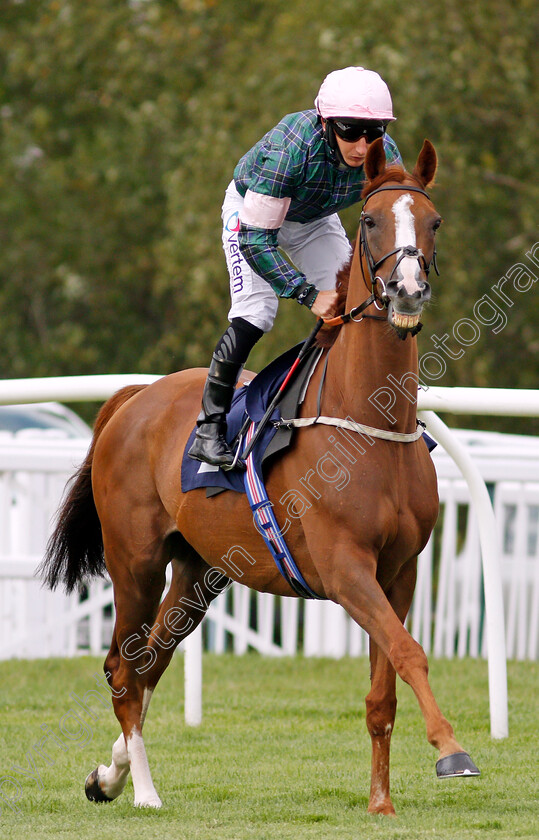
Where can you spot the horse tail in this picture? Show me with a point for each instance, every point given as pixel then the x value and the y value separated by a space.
pixel 75 548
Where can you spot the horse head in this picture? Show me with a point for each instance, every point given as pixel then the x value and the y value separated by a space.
pixel 397 234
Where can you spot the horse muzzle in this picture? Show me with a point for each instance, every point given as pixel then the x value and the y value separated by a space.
pixel 405 303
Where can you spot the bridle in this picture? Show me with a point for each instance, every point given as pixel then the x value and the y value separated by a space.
pixel 407 250
pixel 382 302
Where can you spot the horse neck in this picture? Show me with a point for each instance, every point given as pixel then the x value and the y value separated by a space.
pixel 372 374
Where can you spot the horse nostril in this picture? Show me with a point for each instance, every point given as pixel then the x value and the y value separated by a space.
pixel 397 289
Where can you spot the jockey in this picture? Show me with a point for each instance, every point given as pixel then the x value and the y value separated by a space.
pixel 284 197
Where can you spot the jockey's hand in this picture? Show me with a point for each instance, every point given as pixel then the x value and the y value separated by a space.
pixel 325 305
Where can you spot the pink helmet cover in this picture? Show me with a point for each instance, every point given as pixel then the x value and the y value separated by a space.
pixel 356 93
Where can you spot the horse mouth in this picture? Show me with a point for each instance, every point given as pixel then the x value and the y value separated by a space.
pixel 403 321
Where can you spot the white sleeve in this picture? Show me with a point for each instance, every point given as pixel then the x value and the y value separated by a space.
pixel 264 211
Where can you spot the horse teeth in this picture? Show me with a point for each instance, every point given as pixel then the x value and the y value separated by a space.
pixel 406 321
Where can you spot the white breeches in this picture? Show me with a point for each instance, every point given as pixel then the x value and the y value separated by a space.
pixel 318 249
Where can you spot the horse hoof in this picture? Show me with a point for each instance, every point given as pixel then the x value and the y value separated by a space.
pixel 92 790
pixel 150 802
pixel 457 764
pixel 386 809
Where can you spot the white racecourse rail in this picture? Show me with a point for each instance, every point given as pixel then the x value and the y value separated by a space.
pixel 326 630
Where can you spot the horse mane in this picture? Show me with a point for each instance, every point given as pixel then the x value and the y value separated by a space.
pixel 328 335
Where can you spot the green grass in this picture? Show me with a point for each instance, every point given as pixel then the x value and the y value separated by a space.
pixel 283 752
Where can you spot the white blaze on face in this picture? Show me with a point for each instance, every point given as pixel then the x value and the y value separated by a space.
pixel 405 235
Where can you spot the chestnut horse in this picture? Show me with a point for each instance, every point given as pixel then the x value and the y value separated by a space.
pixel 356 544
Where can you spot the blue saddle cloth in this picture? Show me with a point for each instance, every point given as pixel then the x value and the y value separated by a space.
pixel 251 400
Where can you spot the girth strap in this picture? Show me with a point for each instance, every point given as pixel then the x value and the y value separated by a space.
pixel 370 431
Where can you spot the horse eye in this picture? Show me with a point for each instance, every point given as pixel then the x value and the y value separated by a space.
pixel 369 221
pixel 436 225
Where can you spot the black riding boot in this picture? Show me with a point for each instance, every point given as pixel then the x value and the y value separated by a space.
pixel 210 444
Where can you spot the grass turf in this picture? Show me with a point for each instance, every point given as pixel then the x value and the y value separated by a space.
pixel 282 752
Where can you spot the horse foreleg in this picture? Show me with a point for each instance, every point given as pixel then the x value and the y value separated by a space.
pixel 358 591
pixel 381 701
pixel 381 705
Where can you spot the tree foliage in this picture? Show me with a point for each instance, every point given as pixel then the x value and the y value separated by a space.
pixel 121 123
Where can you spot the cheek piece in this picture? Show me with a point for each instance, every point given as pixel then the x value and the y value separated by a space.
pixel 331 141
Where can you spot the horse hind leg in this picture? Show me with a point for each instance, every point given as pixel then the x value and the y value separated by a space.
pixel 106 783
pixel 193 586
pixel 138 577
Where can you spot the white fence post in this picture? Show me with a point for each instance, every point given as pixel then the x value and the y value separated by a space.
pixel 193 677
pixel 490 553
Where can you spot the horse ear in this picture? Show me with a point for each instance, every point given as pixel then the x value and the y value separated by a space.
pixel 427 162
pixel 375 162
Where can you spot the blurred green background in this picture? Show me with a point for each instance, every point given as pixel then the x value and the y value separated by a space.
pixel 121 123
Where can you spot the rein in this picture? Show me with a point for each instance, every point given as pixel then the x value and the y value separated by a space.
pixel 351 316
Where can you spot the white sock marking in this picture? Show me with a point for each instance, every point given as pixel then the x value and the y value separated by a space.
pixel 145 792
pixel 112 779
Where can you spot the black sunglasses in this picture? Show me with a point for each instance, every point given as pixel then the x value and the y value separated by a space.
pixel 351 131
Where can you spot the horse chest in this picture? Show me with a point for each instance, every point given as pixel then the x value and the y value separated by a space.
pixel 391 499
pixel 414 520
